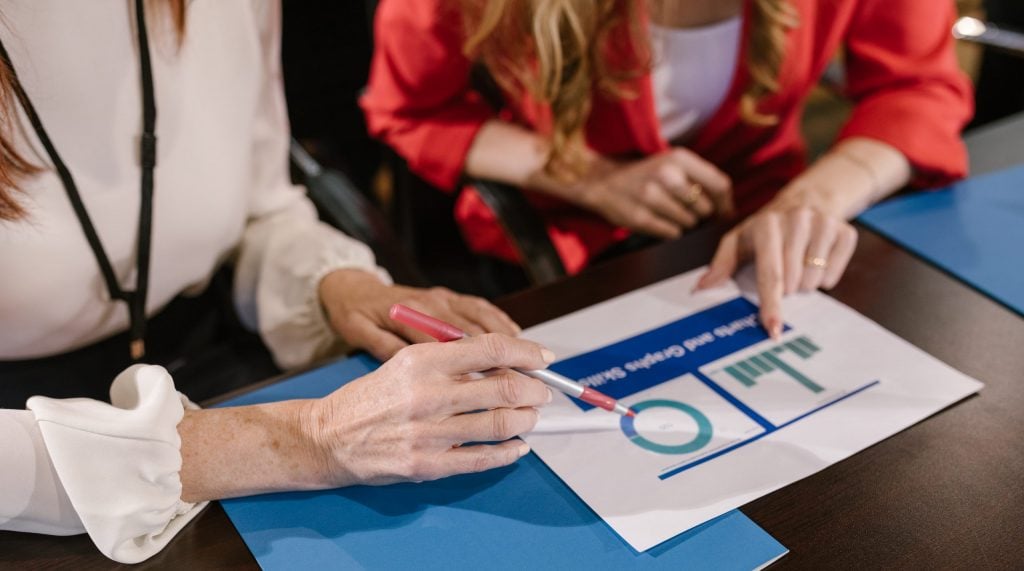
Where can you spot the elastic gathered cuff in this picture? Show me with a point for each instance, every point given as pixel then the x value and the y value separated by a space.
pixel 120 463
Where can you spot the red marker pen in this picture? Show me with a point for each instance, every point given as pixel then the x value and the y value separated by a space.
pixel 445 332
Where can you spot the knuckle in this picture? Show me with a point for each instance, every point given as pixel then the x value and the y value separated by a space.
pixel 494 347
pixel 406 358
pixel 803 214
pixel 416 467
pixel 670 174
pixel 441 291
pixel 509 390
pixel 501 424
pixel 680 154
pixel 478 302
pixel 480 463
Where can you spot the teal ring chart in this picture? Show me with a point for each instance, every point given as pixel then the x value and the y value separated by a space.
pixel 699 441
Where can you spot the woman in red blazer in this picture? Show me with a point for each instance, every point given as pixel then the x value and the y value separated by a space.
pixel 584 127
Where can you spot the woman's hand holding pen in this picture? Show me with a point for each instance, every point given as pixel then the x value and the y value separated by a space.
pixel 408 420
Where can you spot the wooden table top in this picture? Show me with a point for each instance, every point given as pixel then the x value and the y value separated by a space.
pixel 946 493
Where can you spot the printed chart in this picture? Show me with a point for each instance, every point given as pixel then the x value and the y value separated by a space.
pixel 679 424
pixel 724 413
pixel 723 384
pixel 666 425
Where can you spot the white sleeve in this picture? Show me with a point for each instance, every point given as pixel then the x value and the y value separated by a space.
pixel 285 250
pixel 110 470
pixel 32 498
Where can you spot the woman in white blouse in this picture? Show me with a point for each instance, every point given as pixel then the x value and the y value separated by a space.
pixel 77 126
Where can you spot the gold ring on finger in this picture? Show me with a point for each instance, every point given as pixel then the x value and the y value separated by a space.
pixel 693 193
pixel 816 262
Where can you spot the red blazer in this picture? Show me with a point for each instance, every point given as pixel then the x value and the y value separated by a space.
pixel 901 73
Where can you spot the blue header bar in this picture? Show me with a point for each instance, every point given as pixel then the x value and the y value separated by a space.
pixel 662 354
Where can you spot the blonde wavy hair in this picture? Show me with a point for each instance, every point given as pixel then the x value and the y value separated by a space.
pixel 559 51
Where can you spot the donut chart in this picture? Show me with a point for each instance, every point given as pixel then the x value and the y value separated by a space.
pixel 701 439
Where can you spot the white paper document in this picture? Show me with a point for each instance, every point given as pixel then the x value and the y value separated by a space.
pixel 724 414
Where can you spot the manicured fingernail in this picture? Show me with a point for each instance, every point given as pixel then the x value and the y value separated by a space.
pixel 551 395
pixel 547 355
pixel 524 449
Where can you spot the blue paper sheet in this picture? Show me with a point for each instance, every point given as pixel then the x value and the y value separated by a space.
pixel 973 229
pixel 519 517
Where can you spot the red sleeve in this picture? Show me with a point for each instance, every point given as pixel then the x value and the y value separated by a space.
pixel 909 92
pixel 418 100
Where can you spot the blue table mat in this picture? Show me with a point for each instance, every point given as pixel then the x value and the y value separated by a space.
pixel 519 517
pixel 974 230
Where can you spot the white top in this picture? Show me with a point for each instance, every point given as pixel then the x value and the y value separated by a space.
pixel 221 191
pixel 693 70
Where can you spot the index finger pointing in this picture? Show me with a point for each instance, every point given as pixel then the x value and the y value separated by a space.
pixel 768 261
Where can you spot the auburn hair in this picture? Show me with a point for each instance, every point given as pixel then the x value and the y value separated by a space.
pixel 14 167
pixel 559 51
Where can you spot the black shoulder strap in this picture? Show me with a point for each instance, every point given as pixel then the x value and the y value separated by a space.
pixel 136 300
pixel 147 156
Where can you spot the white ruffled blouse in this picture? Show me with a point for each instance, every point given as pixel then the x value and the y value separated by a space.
pixel 222 193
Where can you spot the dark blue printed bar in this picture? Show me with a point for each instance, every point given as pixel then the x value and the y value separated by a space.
pixel 748 369
pixel 741 377
pixel 667 352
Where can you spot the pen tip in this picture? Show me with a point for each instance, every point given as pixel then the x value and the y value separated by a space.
pixel 630 413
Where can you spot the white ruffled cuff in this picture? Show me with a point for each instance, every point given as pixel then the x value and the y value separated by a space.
pixel 120 465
